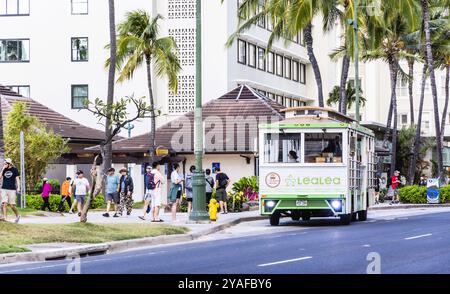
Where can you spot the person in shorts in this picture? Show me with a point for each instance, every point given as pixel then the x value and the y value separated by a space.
pixel 210 183
pixel 81 186
pixel 175 190
pixel 189 187
pixel 222 182
pixel 112 196
pixel 156 193
pixel 148 196
pixel 395 182
pixel 10 185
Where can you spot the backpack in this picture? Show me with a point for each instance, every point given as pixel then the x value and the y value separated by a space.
pixel 151 185
pixel 223 181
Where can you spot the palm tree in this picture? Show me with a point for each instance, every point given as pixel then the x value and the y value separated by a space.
pixel 430 63
pixel 139 43
pixel 350 93
pixel 290 18
pixel 106 150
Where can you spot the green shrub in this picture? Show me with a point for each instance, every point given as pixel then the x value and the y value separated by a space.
pixel 413 194
pixel 36 201
pixel 444 194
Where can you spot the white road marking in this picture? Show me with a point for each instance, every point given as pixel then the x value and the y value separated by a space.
pixel 285 261
pixel 366 245
pixel 416 237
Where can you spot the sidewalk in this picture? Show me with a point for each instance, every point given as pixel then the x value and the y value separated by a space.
pixel 386 205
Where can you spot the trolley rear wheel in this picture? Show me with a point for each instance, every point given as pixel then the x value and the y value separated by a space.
pixel 346 219
pixel 362 215
pixel 275 219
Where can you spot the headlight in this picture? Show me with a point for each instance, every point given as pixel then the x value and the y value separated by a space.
pixel 270 204
pixel 336 204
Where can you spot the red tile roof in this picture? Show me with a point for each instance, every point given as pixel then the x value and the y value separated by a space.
pixel 59 123
pixel 239 106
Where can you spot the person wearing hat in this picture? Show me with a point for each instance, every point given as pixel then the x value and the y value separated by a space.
pixel 46 189
pixel 81 186
pixel 10 185
pixel 395 181
pixel 125 191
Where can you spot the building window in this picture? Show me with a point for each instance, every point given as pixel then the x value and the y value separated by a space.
pixel 302 73
pixel 271 96
pixel 403 119
pixel 80 7
pixel 22 90
pixel 80 49
pixel 262 92
pixel 425 127
pixel 242 52
pixel 251 55
pixel 261 59
pixel 402 86
pixel 15 50
pixel 295 71
pixel 271 62
pixel 279 65
pixel 14 7
pixel 287 68
pixel 80 93
pixel 262 21
pixel 280 99
pixel 269 24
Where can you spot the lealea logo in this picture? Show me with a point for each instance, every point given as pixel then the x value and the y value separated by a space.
pixel 273 180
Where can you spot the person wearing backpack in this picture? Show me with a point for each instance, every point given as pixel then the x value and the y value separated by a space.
pixel 148 181
pixel 175 190
pixel 209 185
pixel 222 182
pixel 189 187
pixel 153 182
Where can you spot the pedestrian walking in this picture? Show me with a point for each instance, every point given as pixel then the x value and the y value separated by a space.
pixel 395 181
pixel 175 190
pixel 222 182
pixel 112 196
pixel 80 187
pixel 10 186
pixel 209 185
pixel 126 192
pixel 155 181
pixel 66 194
pixel 149 184
pixel 189 187
pixel 423 180
pixel 46 189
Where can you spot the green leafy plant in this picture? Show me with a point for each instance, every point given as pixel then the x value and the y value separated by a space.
pixel 413 194
pixel 248 186
pixel 35 202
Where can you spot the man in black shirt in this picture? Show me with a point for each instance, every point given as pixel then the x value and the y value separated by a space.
pixel 222 182
pixel 11 184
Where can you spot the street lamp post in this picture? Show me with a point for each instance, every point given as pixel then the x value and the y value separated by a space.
pixel 356 57
pixel 199 213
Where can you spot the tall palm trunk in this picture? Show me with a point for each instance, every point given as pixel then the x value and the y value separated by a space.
pixel 430 61
pixel 343 84
pixel 148 61
pixel 410 89
pixel 107 148
pixel 388 125
pixel 444 113
pixel 393 68
pixel 314 63
pixel 415 147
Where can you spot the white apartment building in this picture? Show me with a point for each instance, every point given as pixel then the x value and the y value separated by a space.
pixel 53 51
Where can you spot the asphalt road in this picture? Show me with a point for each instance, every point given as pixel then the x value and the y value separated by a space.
pixel 415 244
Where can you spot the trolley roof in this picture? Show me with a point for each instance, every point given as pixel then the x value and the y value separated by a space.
pixel 311 117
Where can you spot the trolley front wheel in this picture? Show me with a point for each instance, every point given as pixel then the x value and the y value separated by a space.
pixel 346 219
pixel 275 219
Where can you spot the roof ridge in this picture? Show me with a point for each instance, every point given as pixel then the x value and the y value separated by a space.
pixel 265 100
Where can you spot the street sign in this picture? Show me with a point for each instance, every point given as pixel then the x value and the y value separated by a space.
pixel 433 190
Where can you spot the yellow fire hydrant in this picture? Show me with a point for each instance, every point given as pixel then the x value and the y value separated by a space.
pixel 213 208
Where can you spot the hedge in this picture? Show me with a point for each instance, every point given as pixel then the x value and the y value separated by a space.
pixel 418 194
pixel 35 202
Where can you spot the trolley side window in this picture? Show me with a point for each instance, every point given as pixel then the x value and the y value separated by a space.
pixel 323 147
pixel 283 148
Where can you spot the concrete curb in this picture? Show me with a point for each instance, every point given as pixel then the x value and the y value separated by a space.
pixel 117 246
pixel 406 206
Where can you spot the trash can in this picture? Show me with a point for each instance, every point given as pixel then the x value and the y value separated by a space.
pixel 433 191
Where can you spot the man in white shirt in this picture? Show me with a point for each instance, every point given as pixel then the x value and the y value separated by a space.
pixel 81 186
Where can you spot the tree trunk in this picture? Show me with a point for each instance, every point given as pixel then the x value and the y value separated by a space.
pixel 415 148
pixel 430 61
pixel 107 156
pixel 96 188
pixel 393 68
pixel 388 125
pixel 314 63
pixel 343 85
pixel 410 89
pixel 152 105
pixel 444 113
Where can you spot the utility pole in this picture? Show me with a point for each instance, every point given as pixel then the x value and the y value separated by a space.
pixel 23 200
pixel 199 213
pixel 356 57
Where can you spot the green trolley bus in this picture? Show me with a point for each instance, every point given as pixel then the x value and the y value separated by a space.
pixel 316 163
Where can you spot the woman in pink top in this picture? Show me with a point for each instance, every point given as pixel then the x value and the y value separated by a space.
pixel 46 189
